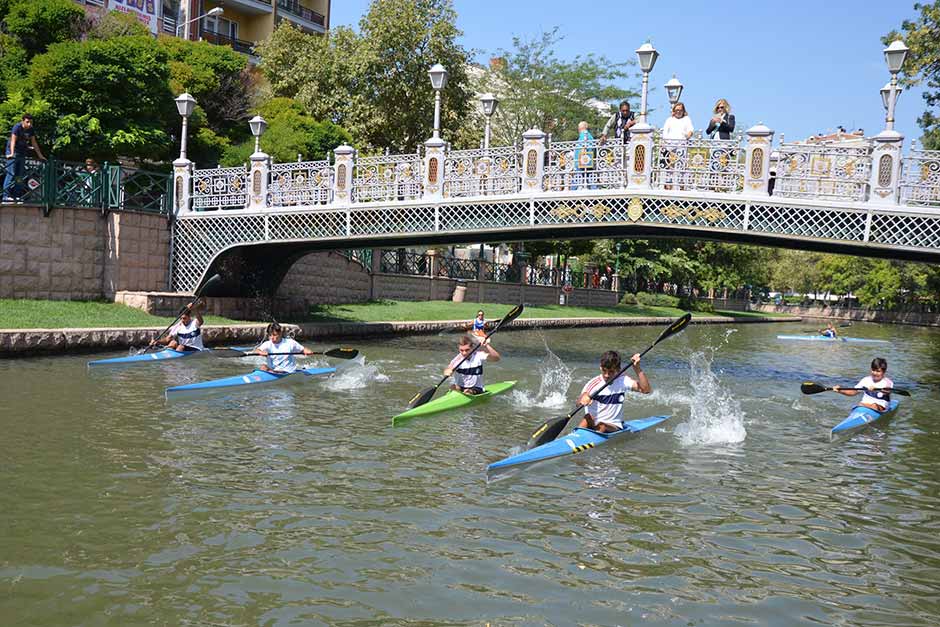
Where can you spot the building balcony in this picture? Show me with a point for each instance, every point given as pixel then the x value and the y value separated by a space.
pixel 251 7
pixel 245 47
pixel 299 14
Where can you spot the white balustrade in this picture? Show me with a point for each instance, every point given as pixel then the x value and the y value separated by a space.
pixel 920 179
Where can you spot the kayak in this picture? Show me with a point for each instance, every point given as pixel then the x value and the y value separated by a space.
pixel 147 358
pixel 825 338
pixel 861 417
pixel 452 400
pixel 577 441
pixel 251 380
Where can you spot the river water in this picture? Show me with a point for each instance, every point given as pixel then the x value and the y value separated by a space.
pixel 302 506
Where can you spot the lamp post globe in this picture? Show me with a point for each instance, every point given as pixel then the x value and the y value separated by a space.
pixel 258 126
pixel 185 105
pixel 673 90
pixel 646 56
pixel 438 76
pixel 490 104
pixel 894 57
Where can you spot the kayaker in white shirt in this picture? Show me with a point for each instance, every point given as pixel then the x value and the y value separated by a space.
pixel 280 351
pixel 185 335
pixel 872 399
pixel 468 376
pixel 604 413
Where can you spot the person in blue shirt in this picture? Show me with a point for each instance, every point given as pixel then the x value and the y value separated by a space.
pixel 829 331
pixel 21 138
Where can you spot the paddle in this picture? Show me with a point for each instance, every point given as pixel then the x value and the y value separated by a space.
pixel 814 388
pixel 339 353
pixel 551 429
pixel 215 278
pixel 424 396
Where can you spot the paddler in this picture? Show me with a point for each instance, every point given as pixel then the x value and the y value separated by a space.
pixel 872 399
pixel 280 351
pixel 478 326
pixel 468 376
pixel 185 335
pixel 604 413
pixel 829 331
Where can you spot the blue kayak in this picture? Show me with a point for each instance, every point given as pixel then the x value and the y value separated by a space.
pixel 577 441
pixel 251 380
pixel 147 358
pixel 861 417
pixel 826 338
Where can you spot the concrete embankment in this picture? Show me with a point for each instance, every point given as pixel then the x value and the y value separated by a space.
pixel 24 342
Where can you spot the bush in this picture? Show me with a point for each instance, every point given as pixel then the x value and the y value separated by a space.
pixel 690 303
pixel 37 24
pixel 656 300
pixel 629 299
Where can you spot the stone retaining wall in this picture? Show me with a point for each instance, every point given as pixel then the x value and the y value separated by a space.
pixel 913 318
pixel 20 342
pixel 80 254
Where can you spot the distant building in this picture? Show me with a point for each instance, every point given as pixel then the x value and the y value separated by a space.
pixel 242 24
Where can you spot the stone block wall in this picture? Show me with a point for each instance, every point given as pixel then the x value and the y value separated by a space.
pixel 80 254
pixel 327 278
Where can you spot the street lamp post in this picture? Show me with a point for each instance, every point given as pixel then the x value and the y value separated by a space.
pixel 894 56
pixel 490 103
pixel 258 126
pixel 438 82
pixel 673 90
pixel 185 105
pixel 617 260
pixel 647 55
pixel 185 25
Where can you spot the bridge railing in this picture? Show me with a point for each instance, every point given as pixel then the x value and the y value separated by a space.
pixel 220 188
pixel 920 178
pixel 300 183
pixel 469 173
pixel 823 171
pixel 698 164
pixel 585 165
pixel 387 178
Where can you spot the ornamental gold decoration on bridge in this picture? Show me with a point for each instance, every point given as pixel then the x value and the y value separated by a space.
pixel 635 209
pixel 757 165
pixel 709 214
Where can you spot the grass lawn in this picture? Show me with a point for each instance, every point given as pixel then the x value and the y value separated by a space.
pixel 59 314
pixel 387 310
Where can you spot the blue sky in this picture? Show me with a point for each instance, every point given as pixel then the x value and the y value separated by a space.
pixel 800 67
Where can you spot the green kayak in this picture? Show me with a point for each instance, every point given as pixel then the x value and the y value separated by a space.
pixel 452 400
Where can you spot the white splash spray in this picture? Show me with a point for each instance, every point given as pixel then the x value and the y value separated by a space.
pixel 715 416
pixel 355 374
pixel 555 378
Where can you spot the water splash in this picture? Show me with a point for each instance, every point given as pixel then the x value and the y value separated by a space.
pixel 355 374
pixel 555 378
pixel 715 416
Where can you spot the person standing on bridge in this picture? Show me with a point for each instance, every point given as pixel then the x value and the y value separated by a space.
pixel 722 122
pixel 621 122
pixel 677 131
pixel 22 137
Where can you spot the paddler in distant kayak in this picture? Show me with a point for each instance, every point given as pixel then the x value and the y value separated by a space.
pixel 478 326
pixel 829 331
pixel 280 351
pixel 468 376
pixel 185 335
pixel 872 399
pixel 604 413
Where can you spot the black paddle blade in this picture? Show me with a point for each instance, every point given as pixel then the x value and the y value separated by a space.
pixel 675 327
pixel 342 353
pixel 210 282
pixel 809 387
pixel 421 398
pixel 549 431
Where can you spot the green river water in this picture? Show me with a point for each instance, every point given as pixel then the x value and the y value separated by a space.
pixel 300 505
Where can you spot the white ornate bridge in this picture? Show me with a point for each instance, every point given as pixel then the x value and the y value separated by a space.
pixel 863 198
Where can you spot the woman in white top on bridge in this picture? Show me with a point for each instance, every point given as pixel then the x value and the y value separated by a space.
pixel 676 131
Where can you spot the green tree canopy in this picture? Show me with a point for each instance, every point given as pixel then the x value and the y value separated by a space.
pixel 37 24
pixel 922 67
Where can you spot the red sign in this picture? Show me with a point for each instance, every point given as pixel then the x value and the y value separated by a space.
pixel 567 289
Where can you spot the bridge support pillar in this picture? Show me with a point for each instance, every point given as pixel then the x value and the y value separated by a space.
pixel 343 174
pixel 641 156
pixel 757 160
pixel 885 168
pixel 533 160
pixel 182 185
pixel 376 260
pixel 434 168
pixel 258 180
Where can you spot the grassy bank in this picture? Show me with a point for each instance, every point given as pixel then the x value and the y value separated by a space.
pixel 386 310
pixel 57 314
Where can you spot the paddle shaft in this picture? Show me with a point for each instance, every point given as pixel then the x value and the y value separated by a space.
pixel 899 391
pixel 475 349
pixel 196 297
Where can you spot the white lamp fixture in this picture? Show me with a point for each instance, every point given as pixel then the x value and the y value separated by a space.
pixel 673 90
pixel 258 126
pixel 438 82
pixel 646 55
pixel 185 105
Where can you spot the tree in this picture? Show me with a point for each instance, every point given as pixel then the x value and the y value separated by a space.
pixel 37 24
pixel 375 84
pixel 538 90
pixel 115 24
pixel 922 36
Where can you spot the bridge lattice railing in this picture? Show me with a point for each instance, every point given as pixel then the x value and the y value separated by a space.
pixel 481 172
pixel 301 183
pixel 585 164
pixel 220 188
pixel 920 178
pixel 714 165
pixel 387 178
pixel 823 171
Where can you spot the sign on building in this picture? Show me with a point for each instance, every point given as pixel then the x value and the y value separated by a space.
pixel 144 10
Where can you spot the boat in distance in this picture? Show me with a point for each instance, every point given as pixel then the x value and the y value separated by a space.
pixel 826 338
pixel 253 379
pixel 452 400
pixel 158 356
pixel 859 418
pixel 578 441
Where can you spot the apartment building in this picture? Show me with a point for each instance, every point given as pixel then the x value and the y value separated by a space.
pixel 240 23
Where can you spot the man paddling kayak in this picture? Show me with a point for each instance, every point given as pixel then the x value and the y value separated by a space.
pixel 185 335
pixel 468 378
pixel 829 331
pixel 604 413
pixel 872 399
pixel 280 351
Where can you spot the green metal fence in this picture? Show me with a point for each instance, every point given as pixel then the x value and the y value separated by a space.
pixel 57 183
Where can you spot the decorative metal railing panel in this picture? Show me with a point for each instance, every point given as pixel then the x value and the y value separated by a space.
pixel 585 165
pixel 391 219
pixel 823 171
pixel 469 216
pixel 362 256
pixel 454 268
pixel 907 231
pixel 387 178
pixel 199 240
pixel 300 183
pixel 810 223
pixel 307 225
pixel 131 189
pixel 712 165
pixel 469 173
pixel 74 186
pixel 501 272
pixel 540 275
pixel 220 188
pixel 920 178
pixel 402 262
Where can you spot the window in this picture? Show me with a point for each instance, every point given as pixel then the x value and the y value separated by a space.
pixel 221 26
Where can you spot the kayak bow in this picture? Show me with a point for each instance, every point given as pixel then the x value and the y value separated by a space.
pixel 577 441
pixel 452 400
pixel 859 418
pixel 250 380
